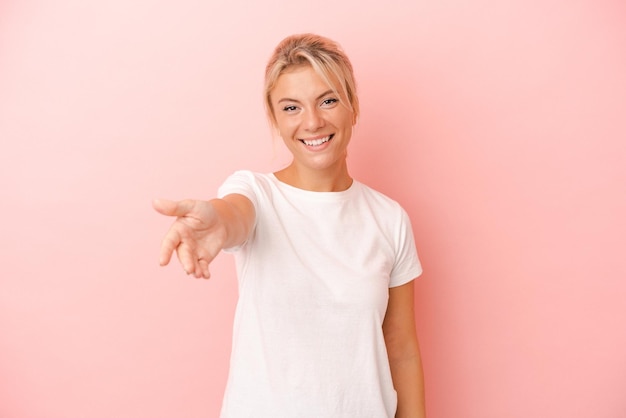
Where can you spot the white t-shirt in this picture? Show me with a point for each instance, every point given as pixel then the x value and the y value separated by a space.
pixel 314 280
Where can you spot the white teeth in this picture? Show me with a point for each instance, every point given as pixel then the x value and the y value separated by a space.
pixel 316 142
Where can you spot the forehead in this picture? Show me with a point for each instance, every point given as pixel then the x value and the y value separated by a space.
pixel 301 82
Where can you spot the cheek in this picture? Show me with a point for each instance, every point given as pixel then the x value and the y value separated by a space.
pixel 286 127
pixel 346 123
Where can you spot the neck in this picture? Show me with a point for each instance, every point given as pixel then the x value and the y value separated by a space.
pixel 331 180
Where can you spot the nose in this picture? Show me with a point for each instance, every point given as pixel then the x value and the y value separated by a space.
pixel 313 120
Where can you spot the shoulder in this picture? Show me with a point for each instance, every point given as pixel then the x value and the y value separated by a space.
pixel 387 212
pixel 246 183
pixel 379 200
pixel 244 179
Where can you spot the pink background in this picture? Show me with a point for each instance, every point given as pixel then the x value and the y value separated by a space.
pixel 500 126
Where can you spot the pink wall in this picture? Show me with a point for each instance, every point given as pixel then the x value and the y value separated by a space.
pixel 500 126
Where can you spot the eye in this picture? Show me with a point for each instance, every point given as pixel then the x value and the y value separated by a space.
pixel 329 102
pixel 290 108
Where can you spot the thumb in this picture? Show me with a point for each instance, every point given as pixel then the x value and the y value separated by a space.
pixel 171 207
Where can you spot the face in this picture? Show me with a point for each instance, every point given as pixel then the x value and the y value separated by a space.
pixel 315 123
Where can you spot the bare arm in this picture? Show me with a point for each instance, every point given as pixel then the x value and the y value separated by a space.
pixel 203 228
pixel 403 351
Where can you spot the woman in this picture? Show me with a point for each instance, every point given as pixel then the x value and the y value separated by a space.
pixel 324 325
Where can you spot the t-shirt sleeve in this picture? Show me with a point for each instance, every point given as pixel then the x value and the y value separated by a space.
pixel 240 182
pixel 407 265
pixel 243 183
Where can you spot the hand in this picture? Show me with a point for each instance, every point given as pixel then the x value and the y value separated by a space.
pixel 197 235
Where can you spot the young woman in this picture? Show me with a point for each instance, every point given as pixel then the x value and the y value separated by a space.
pixel 324 326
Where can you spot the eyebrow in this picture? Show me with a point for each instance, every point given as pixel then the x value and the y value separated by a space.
pixel 287 99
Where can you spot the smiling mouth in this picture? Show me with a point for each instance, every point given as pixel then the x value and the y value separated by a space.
pixel 317 142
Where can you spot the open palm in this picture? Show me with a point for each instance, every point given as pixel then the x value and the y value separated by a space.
pixel 196 235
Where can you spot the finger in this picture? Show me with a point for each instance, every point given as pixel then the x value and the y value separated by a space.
pixel 204 268
pixel 187 258
pixel 170 242
pixel 173 208
pixel 198 273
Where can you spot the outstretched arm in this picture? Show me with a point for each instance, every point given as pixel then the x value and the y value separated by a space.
pixel 403 352
pixel 203 228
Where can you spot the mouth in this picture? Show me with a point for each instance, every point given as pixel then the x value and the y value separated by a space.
pixel 317 141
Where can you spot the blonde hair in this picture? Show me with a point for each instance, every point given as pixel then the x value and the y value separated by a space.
pixel 325 57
